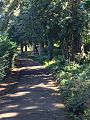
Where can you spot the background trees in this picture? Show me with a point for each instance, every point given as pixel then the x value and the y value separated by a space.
pixel 46 23
pixel 61 30
pixel 51 21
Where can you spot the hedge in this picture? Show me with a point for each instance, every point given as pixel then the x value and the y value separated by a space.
pixel 7 50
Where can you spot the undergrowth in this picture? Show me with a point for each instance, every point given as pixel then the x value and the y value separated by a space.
pixel 7 50
pixel 74 81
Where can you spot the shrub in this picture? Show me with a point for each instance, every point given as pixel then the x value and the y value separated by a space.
pixel 76 90
pixel 75 87
pixel 7 50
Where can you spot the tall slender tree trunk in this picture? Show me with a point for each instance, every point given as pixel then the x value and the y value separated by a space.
pixel 77 42
pixel 33 48
pixel 65 50
pixel 76 33
pixel 25 48
pixel 50 49
pixel 40 49
pixel 22 47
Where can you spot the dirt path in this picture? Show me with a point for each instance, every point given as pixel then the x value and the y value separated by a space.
pixel 34 98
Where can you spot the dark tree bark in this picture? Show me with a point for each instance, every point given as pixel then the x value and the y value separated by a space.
pixel 76 41
pixel 50 49
pixel 65 50
pixel 25 48
pixel 22 48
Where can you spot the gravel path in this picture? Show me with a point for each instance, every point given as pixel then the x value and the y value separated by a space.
pixel 36 97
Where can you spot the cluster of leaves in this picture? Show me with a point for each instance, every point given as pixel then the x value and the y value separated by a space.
pixel 75 87
pixel 40 59
pixel 7 10
pixel 35 20
pixel 7 50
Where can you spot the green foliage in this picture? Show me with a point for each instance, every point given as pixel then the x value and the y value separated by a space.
pixel 6 45
pixel 40 59
pixel 52 21
pixel 75 87
pixel 7 50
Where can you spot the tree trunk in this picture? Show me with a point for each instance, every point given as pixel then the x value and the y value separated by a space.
pixel 50 49
pixel 22 48
pixel 46 43
pixel 33 48
pixel 65 50
pixel 25 48
pixel 76 33
pixel 77 44
pixel 40 49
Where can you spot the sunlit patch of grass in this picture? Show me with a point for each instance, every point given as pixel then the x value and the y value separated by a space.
pixel 48 63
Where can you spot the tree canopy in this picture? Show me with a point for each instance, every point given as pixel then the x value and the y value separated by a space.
pixel 43 21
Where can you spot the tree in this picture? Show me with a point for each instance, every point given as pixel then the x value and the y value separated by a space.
pixel 50 21
pixel 8 9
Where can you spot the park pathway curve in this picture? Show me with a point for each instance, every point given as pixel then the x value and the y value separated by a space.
pixel 35 97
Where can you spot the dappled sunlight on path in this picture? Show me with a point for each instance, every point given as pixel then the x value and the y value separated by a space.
pixel 36 96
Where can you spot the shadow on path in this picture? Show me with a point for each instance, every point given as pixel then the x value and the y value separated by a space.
pixel 35 98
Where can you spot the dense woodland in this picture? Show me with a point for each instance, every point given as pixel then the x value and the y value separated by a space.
pixel 57 32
